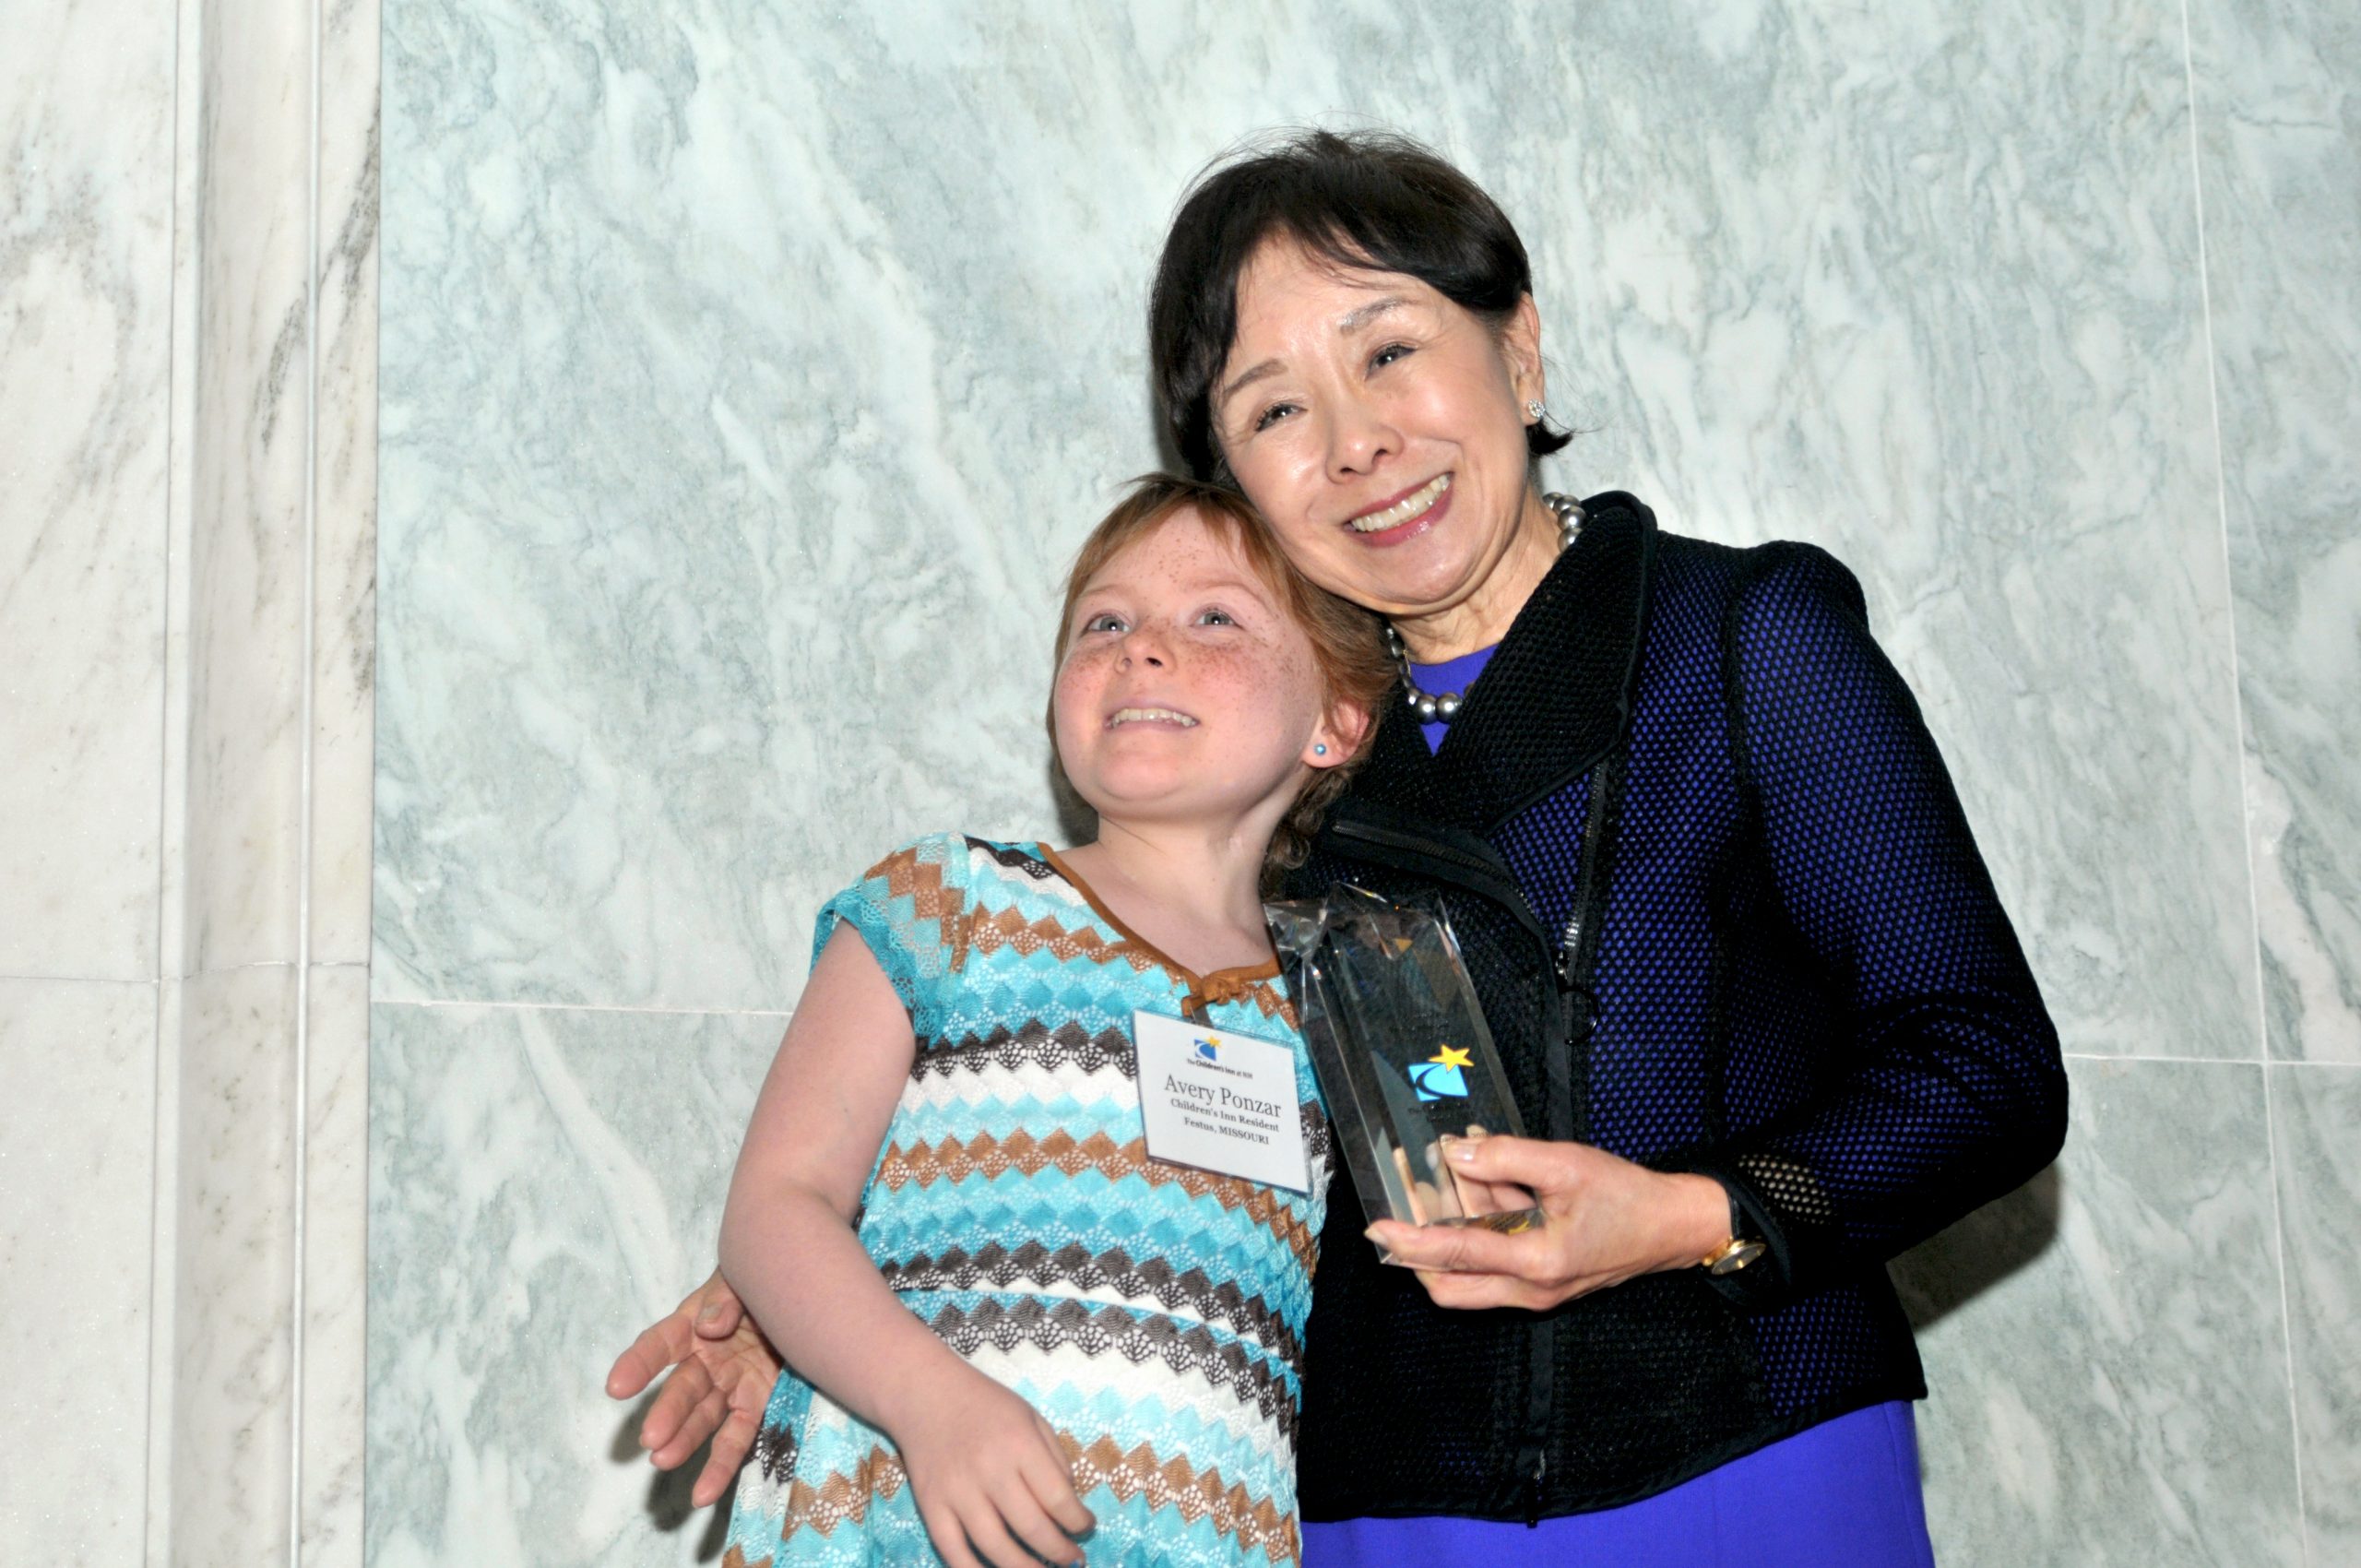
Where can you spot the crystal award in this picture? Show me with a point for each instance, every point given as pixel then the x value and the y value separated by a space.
pixel 1404 1060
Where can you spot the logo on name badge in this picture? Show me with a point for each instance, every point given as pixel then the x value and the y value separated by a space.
pixel 1207 1048
pixel 1439 1077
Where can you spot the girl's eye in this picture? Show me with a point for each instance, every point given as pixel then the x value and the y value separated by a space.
pixel 1216 618
pixel 1272 415
pixel 1106 621
pixel 1388 354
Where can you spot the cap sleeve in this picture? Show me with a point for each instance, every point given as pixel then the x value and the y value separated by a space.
pixel 911 909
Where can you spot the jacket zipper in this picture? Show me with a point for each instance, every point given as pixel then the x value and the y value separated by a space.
pixel 1494 882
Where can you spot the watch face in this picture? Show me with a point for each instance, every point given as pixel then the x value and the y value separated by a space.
pixel 1740 1254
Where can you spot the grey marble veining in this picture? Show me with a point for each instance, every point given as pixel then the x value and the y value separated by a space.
pixel 233 1273
pixel 85 140
pixel 239 831
pixel 2280 117
pixel 736 417
pixel 1919 283
pixel 2107 1375
pixel 336 1267
pixel 2316 1121
pixel 345 487
pixel 542 1182
pixel 76 1176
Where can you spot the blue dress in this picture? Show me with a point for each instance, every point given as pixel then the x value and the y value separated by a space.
pixel 1153 1314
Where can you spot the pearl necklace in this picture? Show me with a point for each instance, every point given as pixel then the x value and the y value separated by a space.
pixel 1441 708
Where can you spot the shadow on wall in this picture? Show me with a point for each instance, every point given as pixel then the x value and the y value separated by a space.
pixel 668 1507
pixel 1941 1276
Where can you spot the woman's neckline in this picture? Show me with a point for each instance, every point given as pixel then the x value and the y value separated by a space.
pixel 1201 987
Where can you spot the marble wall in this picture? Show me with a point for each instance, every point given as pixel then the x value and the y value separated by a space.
pixel 748 369
pixel 188 424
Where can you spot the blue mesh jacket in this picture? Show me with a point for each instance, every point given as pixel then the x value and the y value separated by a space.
pixel 1725 913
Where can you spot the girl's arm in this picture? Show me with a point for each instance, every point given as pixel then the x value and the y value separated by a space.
pixel 984 1467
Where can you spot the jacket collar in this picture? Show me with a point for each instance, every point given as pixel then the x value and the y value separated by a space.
pixel 1556 696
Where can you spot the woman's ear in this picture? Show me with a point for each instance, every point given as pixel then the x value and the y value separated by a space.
pixel 1520 339
pixel 1338 737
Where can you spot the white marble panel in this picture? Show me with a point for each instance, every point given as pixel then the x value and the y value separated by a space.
pixel 542 1182
pixel 2107 1370
pixel 86 137
pixel 345 487
pixel 243 793
pixel 77 1174
pixel 736 416
pixel 234 1270
pixel 336 1265
pixel 2280 117
pixel 2317 1120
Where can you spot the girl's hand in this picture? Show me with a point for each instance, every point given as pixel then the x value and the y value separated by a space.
pixel 988 1474
pixel 1605 1220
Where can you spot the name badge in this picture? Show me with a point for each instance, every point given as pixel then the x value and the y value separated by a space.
pixel 1220 1101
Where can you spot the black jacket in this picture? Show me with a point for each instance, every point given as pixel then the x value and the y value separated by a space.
pixel 1724 914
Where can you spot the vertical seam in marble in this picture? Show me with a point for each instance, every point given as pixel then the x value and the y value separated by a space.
pixel 159 1278
pixel 2287 1318
pixel 2222 515
pixel 2245 808
pixel 308 641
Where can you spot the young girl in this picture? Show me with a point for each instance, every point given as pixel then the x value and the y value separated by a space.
pixel 1013 1332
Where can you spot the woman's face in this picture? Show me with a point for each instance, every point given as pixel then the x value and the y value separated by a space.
pixel 1381 429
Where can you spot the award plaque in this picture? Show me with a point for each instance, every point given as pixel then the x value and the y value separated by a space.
pixel 1399 1043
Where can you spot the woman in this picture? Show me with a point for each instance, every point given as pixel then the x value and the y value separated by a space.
pixel 1745 967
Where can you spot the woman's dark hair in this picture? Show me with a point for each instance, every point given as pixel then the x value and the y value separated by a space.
pixel 1366 200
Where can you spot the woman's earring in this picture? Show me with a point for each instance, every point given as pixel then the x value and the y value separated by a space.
pixel 1538 410
pixel 1319 751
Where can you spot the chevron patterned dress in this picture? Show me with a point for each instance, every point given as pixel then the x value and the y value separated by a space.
pixel 1153 1314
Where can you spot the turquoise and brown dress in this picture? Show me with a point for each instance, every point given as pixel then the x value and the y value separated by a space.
pixel 1153 1314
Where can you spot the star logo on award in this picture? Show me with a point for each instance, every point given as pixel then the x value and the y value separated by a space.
pixel 1441 1076
pixel 1209 1048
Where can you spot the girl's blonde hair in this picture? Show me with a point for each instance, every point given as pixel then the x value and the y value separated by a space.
pixel 1347 642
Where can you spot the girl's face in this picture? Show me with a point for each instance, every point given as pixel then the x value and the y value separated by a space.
pixel 1380 428
pixel 1187 692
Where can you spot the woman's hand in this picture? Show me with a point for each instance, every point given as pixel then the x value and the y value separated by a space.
pixel 988 1474
pixel 1606 1220
pixel 722 1374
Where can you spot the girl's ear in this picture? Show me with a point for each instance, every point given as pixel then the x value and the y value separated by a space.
pixel 1337 736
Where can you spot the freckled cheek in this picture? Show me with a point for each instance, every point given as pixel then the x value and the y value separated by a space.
pixel 1078 683
pixel 1278 685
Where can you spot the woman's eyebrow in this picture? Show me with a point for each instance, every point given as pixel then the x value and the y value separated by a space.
pixel 1350 322
pixel 1361 315
pixel 1247 378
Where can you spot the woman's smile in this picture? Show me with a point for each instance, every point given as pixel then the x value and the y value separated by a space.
pixel 1405 517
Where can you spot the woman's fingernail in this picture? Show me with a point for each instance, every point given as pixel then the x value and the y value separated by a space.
pixel 710 1316
pixel 1462 1151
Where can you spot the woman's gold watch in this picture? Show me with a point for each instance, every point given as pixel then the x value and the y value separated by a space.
pixel 1743 1248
